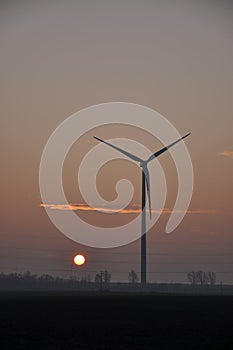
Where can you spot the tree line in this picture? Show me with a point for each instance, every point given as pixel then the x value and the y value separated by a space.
pixel 103 278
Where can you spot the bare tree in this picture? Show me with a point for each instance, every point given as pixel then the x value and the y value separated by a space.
pixel 133 277
pixel 211 277
pixel 106 276
pixel 98 278
pixel 201 277
pixel 192 277
pixel 103 278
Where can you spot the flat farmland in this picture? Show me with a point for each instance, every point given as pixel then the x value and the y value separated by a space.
pixel 71 320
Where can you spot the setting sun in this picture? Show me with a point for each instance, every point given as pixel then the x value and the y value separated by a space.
pixel 79 260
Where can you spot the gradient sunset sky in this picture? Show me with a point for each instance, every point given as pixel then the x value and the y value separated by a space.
pixel 174 56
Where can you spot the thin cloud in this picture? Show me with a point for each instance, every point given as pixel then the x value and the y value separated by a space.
pixel 84 207
pixel 226 153
pixel 133 209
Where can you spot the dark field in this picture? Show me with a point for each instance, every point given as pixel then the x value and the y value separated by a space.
pixel 56 320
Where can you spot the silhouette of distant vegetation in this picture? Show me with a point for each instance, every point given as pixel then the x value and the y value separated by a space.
pixel 133 277
pixel 199 282
pixel 102 279
pixel 201 277
pixel 29 279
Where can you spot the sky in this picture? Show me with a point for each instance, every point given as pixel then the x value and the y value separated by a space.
pixel 174 56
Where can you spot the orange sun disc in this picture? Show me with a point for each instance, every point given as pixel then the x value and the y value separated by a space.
pixel 79 260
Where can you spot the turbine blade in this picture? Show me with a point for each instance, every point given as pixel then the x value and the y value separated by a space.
pixel 158 153
pixel 147 177
pixel 130 155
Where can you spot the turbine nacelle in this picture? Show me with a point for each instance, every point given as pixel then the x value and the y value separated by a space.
pixel 143 163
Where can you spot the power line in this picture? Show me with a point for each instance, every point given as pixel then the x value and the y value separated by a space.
pixel 118 253
pixel 128 261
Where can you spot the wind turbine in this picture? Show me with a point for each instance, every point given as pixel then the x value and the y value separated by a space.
pixel 145 188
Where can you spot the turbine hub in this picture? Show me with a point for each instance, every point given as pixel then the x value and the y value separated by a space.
pixel 143 164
